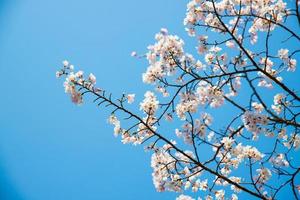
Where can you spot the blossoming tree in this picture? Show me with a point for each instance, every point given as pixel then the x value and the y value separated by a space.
pixel 241 65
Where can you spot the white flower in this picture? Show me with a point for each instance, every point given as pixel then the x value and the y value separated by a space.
pixel 209 94
pixel 254 121
pixel 65 63
pixel 188 103
pixel 209 57
pixel 215 49
pixel 203 185
pixel 149 104
pixel 130 98
pixel 280 160
pixel 199 65
pixel 278 98
pixel 230 44
pixel 164 31
pixel 292 65
pixel 236 180
pixel 133 54
pixel 208 197
pixel 220 194
pixel 210 136
pixel 258 107
pixel 58 74
pixel 187 185
pixel 184 197
pixel 92 78
pixel 278 101
pixel 162 56
pixel 79 74
pixel 227 141
pixel 113 119
pixel 234 197
pixel 264 174
pixel 283 54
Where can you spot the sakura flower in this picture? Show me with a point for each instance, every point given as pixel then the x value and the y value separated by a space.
pixel 58 74
pixel 92 78
pixel 279 160
pixel 209 197
pixel 130 98
pixel 76 97
pixel 278 101
pixel 79 74
pixel 254 121
pixel 65 63
pixel 187 185
pixel 164 31
pixel 236 180
pixel 283 54
pixel 234 197
pixel 264 174
pixel 203 185
pixel 220 195
pixel 199 66
pixel 162 56
pixel 227 141
pixel 258 107
pixel 210 136
pixel 133 54
pixel 149 104
pixel 294 141
pixel 292 65
pixel 230 44
pixel 188 103
pixel 184 197
pixel 209 57
pixel 278 98
pixel 117 124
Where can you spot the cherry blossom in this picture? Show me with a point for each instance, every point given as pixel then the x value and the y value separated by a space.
pixel 130 98
pixel 227 99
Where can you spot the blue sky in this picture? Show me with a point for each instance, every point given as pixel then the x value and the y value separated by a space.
pixel 50 148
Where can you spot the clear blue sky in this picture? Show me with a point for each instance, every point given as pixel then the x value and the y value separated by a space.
pixel 51 149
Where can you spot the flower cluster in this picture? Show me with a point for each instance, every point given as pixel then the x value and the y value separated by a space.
pixel 200 11
pixel 291 63
pixel 204 94
pixel 113 120
pixel 184 197
pixel 169 171
pixel 242 152
pixel 232 156
pixel 198 129
pixel 279 160
pixel 264 174
pixel 228 142
pixel 74 79
pixel 254 121
pixel 188 103
pixel 215 82
pixel 209 94
pixel 258 107
pixel 162 56
pixel 292 141
pixel 278 102
pixel 149 104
